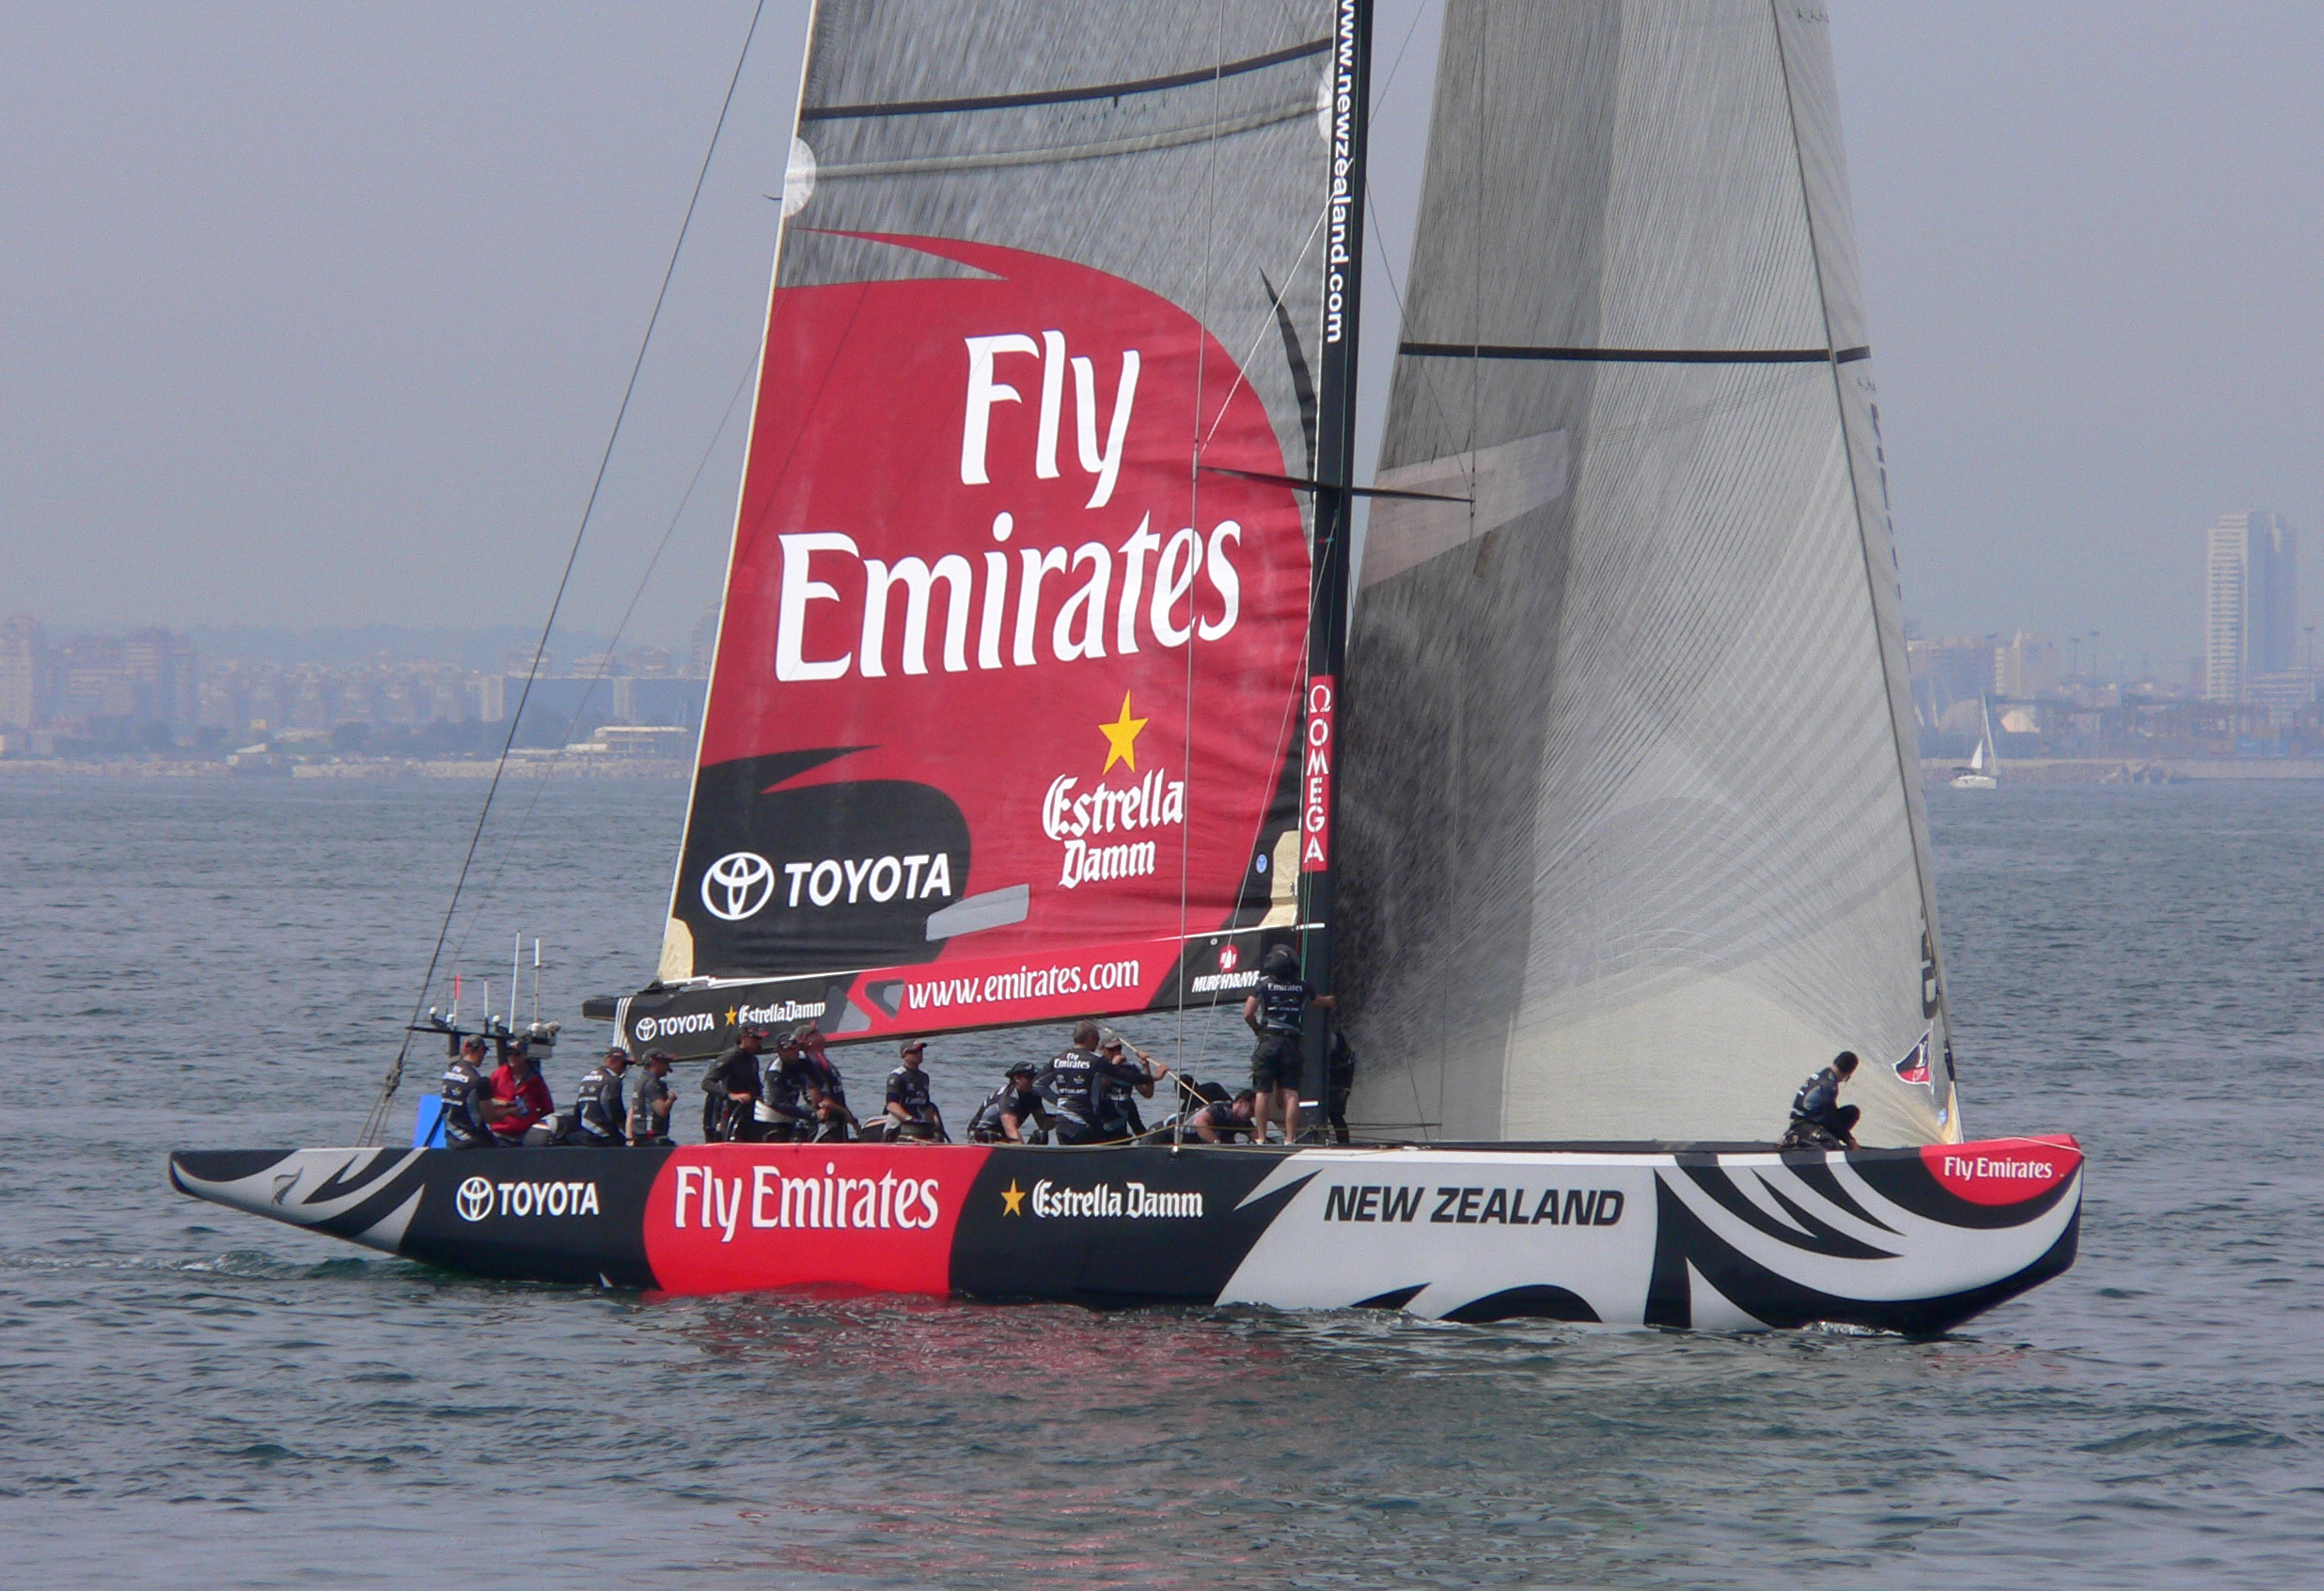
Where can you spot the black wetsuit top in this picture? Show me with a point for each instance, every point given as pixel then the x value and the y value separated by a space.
pixel 734 1072
pixel 1008 1100
pixel 1819 1102
pixel 645 1122
pixel 1282 1004
pixel 597 1107
pixel 1075 1081
pixel 806 1069
pixel 464 1124
pixel 908 1086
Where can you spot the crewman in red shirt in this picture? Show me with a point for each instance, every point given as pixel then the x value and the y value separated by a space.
pixel 519 1085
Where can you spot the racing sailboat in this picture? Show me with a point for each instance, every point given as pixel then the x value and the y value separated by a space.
pixel 1983 770
pixel 1036 695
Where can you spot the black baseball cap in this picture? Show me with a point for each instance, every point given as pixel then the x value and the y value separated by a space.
pixel 1023 1069
pixel 910 1045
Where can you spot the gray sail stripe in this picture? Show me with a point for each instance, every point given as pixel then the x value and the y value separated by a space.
pixel 1199 76
pixel 1058 154
pixel 1638 356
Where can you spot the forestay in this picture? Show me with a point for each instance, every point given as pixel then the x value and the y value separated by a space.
pixel 1631 837
pixel 1009 670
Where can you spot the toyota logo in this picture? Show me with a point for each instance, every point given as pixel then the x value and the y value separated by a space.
pixel 476 1199
pixel 737 885
pixel 643 1029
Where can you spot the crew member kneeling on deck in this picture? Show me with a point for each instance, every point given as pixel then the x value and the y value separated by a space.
pixel 601 1120
pixel 650 1101
pixel 1277 1012
pixel 911 1113
pixel 469 1108
pixel 1076 1080
pixel 1002 1118
pixel 1818 1120
pixel 1223 1121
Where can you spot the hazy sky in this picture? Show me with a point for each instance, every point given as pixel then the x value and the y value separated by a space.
pixel 319 314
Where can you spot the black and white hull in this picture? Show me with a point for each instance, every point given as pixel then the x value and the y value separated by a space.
pixel 1914 1240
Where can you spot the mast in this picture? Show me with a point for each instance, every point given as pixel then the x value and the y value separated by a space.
pixel 1335 467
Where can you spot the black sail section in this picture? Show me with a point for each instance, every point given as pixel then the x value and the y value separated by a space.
pixel 1629 838
pixel 1007 681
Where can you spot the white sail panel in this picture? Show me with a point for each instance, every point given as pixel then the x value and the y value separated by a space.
pixel 1631 843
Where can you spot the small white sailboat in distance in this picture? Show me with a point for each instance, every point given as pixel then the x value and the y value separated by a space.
pixel 1982 772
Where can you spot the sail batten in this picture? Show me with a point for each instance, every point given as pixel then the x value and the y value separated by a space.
pixel 1631 841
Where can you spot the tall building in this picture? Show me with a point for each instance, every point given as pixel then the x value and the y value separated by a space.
pixel 705 647
pixel 2026 665
pixel 2251 624
pixel 24 658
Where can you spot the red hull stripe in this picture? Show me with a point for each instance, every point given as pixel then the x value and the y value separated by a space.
pixel 734 1216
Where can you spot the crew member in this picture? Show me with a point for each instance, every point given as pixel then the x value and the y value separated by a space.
pixel 1075 1079
pixel 911 1113
pixel 469 1108
pixel 1342 1083
pixel 650 1101
pixel 729 1114
pixel 1818 1120
pixel 520 1087
pixel 1223 1121
pixel 1002 1118
pixel 782 1110
pixel 819 1082
pixel 601 1120
pixel 1276 1012
pixel 1120 1099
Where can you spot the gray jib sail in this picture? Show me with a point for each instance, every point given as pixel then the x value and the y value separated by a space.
pixel 1631 840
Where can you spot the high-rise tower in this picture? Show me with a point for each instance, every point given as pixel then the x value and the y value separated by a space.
pixel 2251 608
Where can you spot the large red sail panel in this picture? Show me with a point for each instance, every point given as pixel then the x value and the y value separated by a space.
pixel 1003 720
pixel 992 680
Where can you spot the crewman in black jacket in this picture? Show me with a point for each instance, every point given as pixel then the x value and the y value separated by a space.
pixel 1076 1080
pixel 911 1113
pixel 469 1108
pixel 1818 1120
pixel 1276 1011
pixel 601 1120
pixel 729 1114
pixel 650 1102
pixel 1002 1118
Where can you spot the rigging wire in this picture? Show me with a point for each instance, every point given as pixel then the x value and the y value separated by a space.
pixel 375 1120
pixel 606 659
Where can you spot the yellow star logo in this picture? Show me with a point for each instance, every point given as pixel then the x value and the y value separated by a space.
pixel 1122 739
pixel 1012 1199
pixel 731 1012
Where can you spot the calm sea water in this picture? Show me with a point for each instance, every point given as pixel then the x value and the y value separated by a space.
pixel 190 1398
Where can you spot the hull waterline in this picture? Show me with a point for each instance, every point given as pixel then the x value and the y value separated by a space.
pixel 1912 1240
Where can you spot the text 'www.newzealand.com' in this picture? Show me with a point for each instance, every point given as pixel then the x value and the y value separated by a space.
pixel 1025 983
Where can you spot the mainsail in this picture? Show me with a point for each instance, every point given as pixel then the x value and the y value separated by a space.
pixel 1009 678
pixel 1630 836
